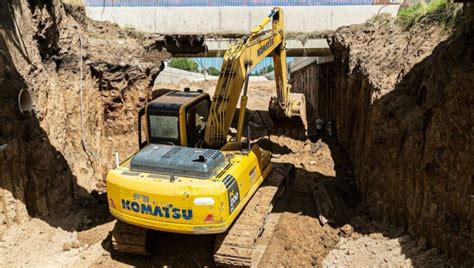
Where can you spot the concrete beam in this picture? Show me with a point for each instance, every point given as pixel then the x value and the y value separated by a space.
pixel 300 63
pixel 234 20
pixel 308 48
pixel 217 48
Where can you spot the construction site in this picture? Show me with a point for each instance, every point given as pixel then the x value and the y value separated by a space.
pixel 314 133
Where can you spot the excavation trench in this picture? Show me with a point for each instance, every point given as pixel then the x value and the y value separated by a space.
pixel 398 156
pixel 401 107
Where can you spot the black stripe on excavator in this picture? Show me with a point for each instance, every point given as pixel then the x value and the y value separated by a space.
pixel 233 194
pixel 224 170
pixel 228 179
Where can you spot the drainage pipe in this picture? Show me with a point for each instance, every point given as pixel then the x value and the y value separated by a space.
pixel 25 104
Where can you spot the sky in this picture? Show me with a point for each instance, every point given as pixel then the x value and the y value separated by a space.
pixel 217 63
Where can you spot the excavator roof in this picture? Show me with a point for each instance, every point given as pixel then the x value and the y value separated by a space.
pixel 173 100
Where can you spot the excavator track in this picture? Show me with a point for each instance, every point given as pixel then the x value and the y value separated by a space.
pixel 132 239
pixel 238 246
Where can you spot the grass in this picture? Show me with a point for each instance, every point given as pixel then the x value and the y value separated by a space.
pixel 73 2
pixel 382 19
pixel 441 11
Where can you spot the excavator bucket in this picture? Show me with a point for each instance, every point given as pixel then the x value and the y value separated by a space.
pixel 292 121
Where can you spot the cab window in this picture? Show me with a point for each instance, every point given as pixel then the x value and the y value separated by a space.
pixel 196 118
pixel 164 129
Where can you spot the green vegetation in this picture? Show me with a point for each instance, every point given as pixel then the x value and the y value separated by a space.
pixel 441 11
pixel 213 71
pixel 263 71
pixel 184 64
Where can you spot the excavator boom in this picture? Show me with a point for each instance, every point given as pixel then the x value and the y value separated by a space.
pixel 239 60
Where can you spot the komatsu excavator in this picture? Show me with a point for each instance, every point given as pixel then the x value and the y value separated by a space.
pixel 188 176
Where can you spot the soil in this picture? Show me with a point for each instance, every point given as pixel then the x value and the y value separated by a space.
pixel 299 239
pixel 404 116
pixel 57 156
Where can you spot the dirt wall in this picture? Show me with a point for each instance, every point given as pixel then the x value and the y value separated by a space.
pixel 54 158
pixel 405 110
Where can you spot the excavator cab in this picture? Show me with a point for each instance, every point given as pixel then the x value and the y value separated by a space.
pixel 174 118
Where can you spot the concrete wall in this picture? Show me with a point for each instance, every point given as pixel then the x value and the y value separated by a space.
pixel 233 20
pixel 315 81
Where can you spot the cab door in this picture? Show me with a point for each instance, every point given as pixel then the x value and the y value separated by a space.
pixel 196 116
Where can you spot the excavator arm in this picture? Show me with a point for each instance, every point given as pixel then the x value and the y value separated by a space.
pixel 239 60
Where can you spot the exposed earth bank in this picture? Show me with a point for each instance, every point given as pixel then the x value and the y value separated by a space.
pixel 405 116
pixel 87 81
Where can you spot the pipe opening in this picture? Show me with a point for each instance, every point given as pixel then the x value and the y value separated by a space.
pixel 25 104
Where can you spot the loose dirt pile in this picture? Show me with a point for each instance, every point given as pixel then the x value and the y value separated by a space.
pixel 379 250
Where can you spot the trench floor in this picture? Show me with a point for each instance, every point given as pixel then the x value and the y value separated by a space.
pixel 350 238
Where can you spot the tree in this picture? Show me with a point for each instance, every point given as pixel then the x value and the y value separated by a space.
pixel 213 71
pixel 262 71
pixel 266 70
pixel 184 64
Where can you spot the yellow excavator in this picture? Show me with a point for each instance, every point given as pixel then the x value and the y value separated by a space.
pixel 190 175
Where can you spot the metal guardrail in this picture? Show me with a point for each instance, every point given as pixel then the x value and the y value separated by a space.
pixel 219 3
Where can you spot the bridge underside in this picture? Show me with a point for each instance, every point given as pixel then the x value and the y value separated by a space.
pixel 198 46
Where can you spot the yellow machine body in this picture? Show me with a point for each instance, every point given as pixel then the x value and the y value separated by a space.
pixel 189 121
pixel 169 202
pixel 187 205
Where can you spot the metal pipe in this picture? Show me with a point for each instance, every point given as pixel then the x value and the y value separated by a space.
pixel 80 89
pixel 117 162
